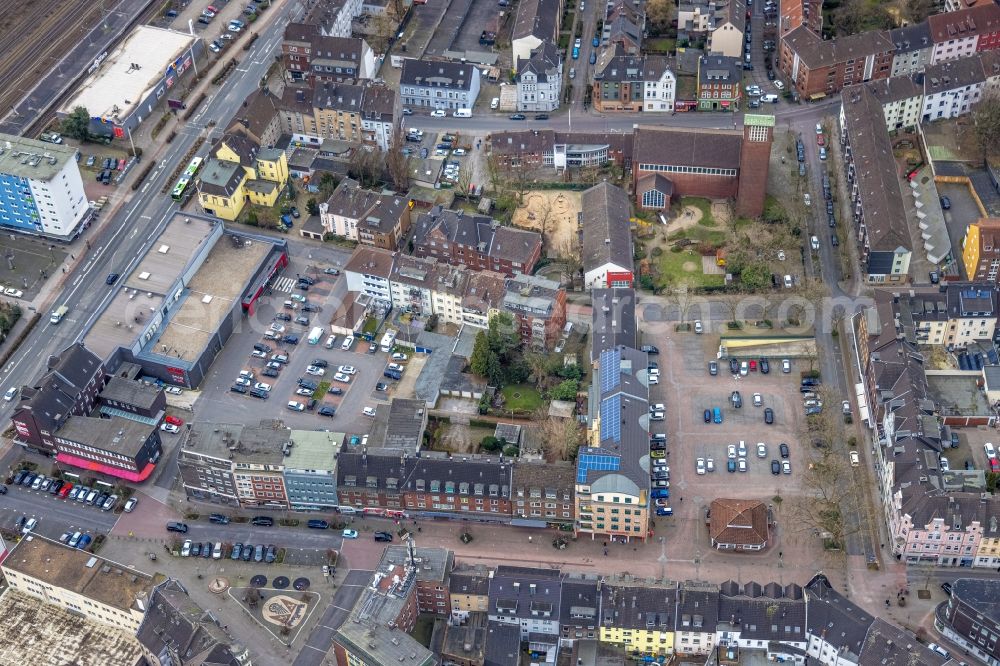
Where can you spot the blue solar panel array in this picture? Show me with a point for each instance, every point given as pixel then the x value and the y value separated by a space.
pixel 597 462
pixel 611 369
pixel 611 418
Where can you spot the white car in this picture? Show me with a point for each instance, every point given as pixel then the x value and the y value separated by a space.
pixel 16 293
pixel 438 113
pixel 710 464
pixel 368 411
pixel 256 353
pixel 234 27
pixel 214 48
pixel 246 374
pixel 856 459
pixel 845 406
pixel 699 465
pixel 170 427
pixel 698 328
pixel 242 381
pixel 346 344
pixel 786 366
pixel 396 366
pixel 656 416
pixel 186 548
pixel 779 85
pixel 313 370
pixel 786 467
pixel 341 377
pixel 399 357
pixel 347 369
pixel 261 386
pixel 578 43
pixel 303 391
pixel 761 450
pixel 658 407
pixel 296 406
pixel 819 128
pixel 10 394
pixel 731 451
pixel 458 152
pixel 28 526
pixel 174 390
pixel 741 449
pixel 990 451
pixel 757 400
pixel 129 505
pixel 277 328
pixel 806 199
pixel 350 534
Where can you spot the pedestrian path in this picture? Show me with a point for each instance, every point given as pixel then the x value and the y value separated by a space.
pixel 284 284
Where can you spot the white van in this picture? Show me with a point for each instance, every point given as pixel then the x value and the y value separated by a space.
pixel 346 344
pixel 495 103
pixel 462 113
pixel 814 242
pixel 769 98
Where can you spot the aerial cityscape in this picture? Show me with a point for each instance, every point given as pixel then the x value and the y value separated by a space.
pixel 437 332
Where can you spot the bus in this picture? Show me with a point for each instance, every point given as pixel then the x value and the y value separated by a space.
pixel 180 188
pixel 193 167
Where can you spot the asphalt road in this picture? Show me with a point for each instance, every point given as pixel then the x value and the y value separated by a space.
pixel 321 637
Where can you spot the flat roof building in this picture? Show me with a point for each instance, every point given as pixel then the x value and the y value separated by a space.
pixel 125 87
pixel 41 191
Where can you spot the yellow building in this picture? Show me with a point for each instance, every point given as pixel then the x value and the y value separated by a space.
pixel 80 582
pixel 981 250
pixel 640 618
pixel 988 553
pixel 240 172
pixel 469 592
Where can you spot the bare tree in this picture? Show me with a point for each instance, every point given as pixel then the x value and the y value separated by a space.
pixel 366 166
pixel 496 171
pixel 569 252
pixel 398 164
pixel 561 437
pixel 986 123
pixel 542 216
pixel 383 27
pixel 681 291
pixel 464 182
pixel 539 365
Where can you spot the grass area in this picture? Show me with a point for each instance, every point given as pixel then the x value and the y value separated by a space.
pixel 660 45
pixel 704 205
pixel 700 234
pixel 321 390
pixel 685 265
pixel 423 629
pixel 371 324
pixel 521 397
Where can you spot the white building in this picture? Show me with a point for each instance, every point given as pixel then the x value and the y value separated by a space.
pixel 901 98
pixel 368 272
pixel 956 34
pixel 952 88
pixel 41 191
pixel 658 94
pixel 913 48
pixel 334 16
pixel 439 84
pixel 539 80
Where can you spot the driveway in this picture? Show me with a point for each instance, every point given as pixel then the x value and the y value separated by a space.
pixel 962 213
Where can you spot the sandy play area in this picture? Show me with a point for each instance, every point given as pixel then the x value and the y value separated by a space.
pixel 558 210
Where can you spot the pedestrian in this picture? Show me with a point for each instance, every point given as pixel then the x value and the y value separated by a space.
pixel 682 499
pixel 529 538
pixel 605 552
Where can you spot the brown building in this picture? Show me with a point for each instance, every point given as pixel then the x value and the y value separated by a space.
pixel 536 149
pixel 475 241
pixel 622 82
pixel 801 12
pixel 538 306
pixel 309 56
pixel 971 617
pixel 543 492
pixel 818 67
pixel 432 569
pixel 720 80
pixel 474 485
pixel 259 118
pixel 737 524
pixel 717 164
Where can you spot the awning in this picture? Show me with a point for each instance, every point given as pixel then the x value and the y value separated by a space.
pixel 527 522
pixel 725 104
pixel 816 96
pixel 94 466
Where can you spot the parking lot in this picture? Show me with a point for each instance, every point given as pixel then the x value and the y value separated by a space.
pixel 219 402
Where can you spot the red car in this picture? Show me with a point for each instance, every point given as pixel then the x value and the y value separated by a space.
pixel 173 420
pixel 994 465
pixel 820 140
pixel 64 491
pixel 753 366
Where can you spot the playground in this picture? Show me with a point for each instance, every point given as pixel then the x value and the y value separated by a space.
pixel 555 214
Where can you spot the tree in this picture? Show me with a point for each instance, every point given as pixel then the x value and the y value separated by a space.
pixel 463 185
pixel 565 390
pixel 659 13
pixel 365 166
pixel 986 123
pixel 490 444
pixel 560 437
pixel 77 124
pixel 383 29
pixel 312 207
pixel 755 276
pixel 538 365
pixel 398 164
pixel 481 353
pixel 327 184
pixel 915 11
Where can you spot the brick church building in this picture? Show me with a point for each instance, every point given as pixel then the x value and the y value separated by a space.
pixel 669 163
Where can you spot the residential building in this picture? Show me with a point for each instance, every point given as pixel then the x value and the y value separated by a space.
pixel 530 599
pixel 238 172
pixel 543 494
pixel 952 88
pixel 372 219
pixel 988 553
pixel 176 631
pixel 639 617
pixel 432 571
pixel 475 241
pixel 696 618
pixel 379 116
pixel 771 617
pixel 333 17
pixel 970 618
pixel 579 609
pixel 439 84
pixel 539 79
pixel 913 49
pixel 80 582
pixel 670 163
pixel 236 465
pixel 377 631
pixel 308 56
pixel 41 191
pixel 368 272
pixel 722 23
pixel 477 486
pixel 258 118
pixel 538 306
pixel 532 149
pixel 739 525
pixel 536 22
pixel 423 287
pixel 357 113
pixel 981 250
pixel 310 472
pixel 370 480
pixel 952 316
pixel 469 591
pixel 961 33
pixel 613 322
pixel 634 83
pixel 819 67
pixel 613 483
pixel 624 28
pixel 901 98
pixel 719 83
pixel 482 297
pixel 879 215
pixel 801 12
pixel 607 237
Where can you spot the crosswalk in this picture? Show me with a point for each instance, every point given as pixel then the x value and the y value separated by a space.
pixel 284 284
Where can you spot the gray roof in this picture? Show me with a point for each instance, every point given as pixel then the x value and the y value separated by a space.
pixel 131 392
pixel 613 321
pixel 399 426
pixel 503 644
pixel 889 645
pixel 954 74
pixel 54 397
pixel 714 68
pixel 815 52
pixel 37 160
pixel 544 61
pixel 912 37
pixel 768 613
pixel 971 300
pixel 375 471
pixel 260 444
pixel 531 295
pixel 538 18
pixel 118 435
pixel 487 476
pixel 437 74
pixel 526 592
pixel 633 68
pixel 983 594
pixel 579 602
pixel 607 235
pixel 893 89
pixel 838 620
pixel 435 563
pixel 470 580
pixel 697 608
pixel 638 607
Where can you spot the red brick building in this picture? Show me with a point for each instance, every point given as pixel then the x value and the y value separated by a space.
pixel 670 163
pixel 536 149
pixel 309 56
pixel 475 241
pixel 801 12
pixel 818 67
pixel 538 307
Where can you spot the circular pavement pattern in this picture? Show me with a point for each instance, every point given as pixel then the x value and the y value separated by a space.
pixel 301 584
pixel 258 581
pixel 218 585
pixel 280 583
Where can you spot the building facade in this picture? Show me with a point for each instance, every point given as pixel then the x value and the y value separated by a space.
pixel 818 67
pixel 439 84
pixel 981 250
pixel 539 80
pixel 633 84
pixel 308 56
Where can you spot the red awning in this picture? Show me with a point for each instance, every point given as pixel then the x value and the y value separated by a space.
pixel 94 466
pixel 725 104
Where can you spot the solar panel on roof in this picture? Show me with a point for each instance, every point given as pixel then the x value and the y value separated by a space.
pixel 597 462
pixel 611 420
pixel 611 361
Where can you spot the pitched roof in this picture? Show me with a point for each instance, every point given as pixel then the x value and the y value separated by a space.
pixel 537 18
pixel 544 60
pixel 613 322
pixel 718 149
pixel 969 22
pixel 437 74
pixel 344 97
pixel 815 52
pixel 465 475
pixel 713 69
pixel 697 607
pixel 470 580
pixel 515 245
pixel 771 612
pixel 371 261
pixel 54 397
pixel 889 645
pixel 638 607
pixel 503 644
pixel 633 68
pixel 834 618
pixel 244 147
pixel 550 480
pixel 607 235
pixel 888 91
pixel 379 103
pixel 259 110
pixel 911 37
pixel 739 522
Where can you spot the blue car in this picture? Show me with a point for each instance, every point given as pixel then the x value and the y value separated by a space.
pixel 661 493
pixel 84 541
pixel 593 58
pixel 717 415
pixel 576 53
pixel 660 511
pixel 597 41
pixel 708 416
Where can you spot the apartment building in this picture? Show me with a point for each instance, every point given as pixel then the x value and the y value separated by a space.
pixel 607 237
pixel 423 287
pixel 879 215
pixel 530 599
pixel 624 28
pixel 439 84
pixel 372 219
pixel 80 582
pixel 953 316
pixel 579 609
pixel 481 301
pixel 722 23
pixel 477 242
pixel 469 591
pixel 801 12
pixel 433 569
pixel 953 88
pixel 543 494
pixel 333 17
pixel 771 617
pixel 981 250
pixel 961 33
pixel 476 486
pixel 539 80
pixel 969 618
pixel 696 618
pixel 535 23
pixel 310 470
pixel 310 57
pixel 901 98
pixel 639 617
pixel 238 172
pixel 719 83
pixel 368 271
pixel 634 83
pixel 913 48
pixel 818 67
pixel 538 306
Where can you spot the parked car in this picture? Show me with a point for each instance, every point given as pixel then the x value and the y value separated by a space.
pixel 385 537
pixel 262 521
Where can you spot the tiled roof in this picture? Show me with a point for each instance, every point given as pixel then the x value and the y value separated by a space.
pixel 769 613
pixel 371 261
pixel 613 321
pixel 979 20
pixel 633 68
pixel 257 112
pixel 836 619
pixel 719 149
pixel 515 245
pixel 607 235
pixel 344 97
pixel 526 592
pixel 887 91
pixel 472 580
pixel 911 37
pixel 537 18
pixel 954 74
pixel 543 61
pixel 503 644
pixel 437 74
pixel 983 594
pixel 465 475
pixel 697 608
pixel 638 607
pixel 713 69
pixel 739 522
pixel 579 602
pixel 815 52
pixel 375 471
pixel 555 481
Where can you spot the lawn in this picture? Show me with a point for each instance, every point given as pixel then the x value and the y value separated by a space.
pixel 661 45
pixel 370 326
pixel 704 205
pixel 521 397
pixel 674 267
